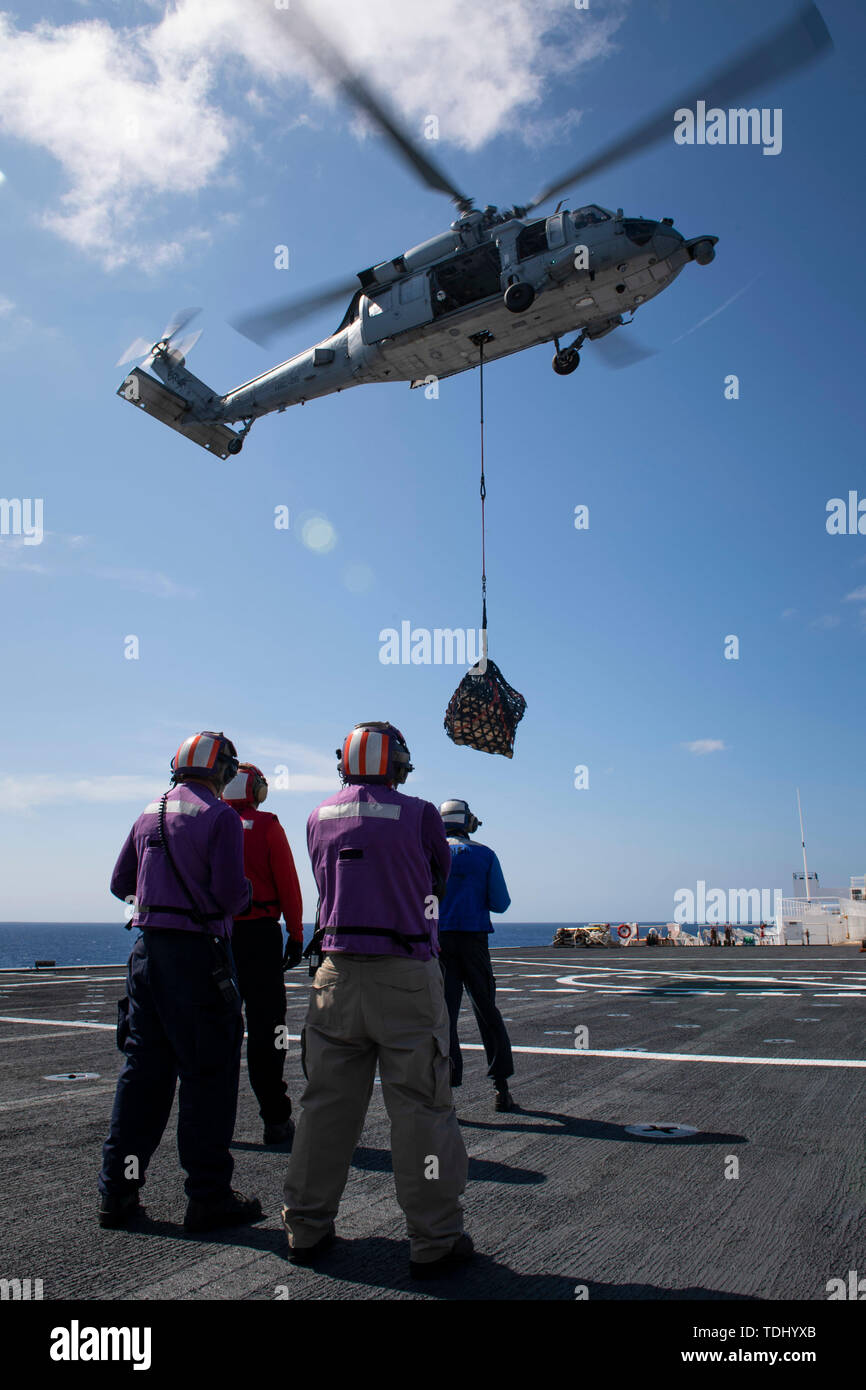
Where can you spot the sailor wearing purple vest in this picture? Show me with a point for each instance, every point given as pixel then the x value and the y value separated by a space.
pixel 183 866
pixel 380 860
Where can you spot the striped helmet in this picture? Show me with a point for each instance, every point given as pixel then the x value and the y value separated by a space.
pixel 245 783
pixel 458 818
pixel 207 755
pixel 374 752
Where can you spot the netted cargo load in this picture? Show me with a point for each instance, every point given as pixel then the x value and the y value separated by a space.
pixel 484 711
pixel 595 934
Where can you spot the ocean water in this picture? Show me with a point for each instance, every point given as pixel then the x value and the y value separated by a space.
pixel 100 943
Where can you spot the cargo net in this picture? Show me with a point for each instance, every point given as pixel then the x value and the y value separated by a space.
pixel 484 712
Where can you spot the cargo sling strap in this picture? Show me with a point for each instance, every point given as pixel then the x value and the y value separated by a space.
pixel 484 711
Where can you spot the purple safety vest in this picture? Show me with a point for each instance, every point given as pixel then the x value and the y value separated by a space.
pixel 373 851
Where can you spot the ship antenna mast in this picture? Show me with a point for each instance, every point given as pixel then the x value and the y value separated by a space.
pixel 803 843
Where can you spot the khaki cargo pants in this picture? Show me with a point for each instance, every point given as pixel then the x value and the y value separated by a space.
pixel 363 1010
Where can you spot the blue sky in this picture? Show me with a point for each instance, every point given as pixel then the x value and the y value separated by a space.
pixel 159 164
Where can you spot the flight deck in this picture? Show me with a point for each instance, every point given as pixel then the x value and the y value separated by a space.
pixel 759 1051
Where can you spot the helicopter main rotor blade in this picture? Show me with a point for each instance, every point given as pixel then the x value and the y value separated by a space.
pixel 621 352
pixel 793 45
pixel 179 319
pixel 353 86
pixel 265 323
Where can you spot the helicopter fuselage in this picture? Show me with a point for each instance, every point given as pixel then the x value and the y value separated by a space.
pixel 417 318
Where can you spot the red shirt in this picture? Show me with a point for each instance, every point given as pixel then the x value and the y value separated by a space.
pixel 269 866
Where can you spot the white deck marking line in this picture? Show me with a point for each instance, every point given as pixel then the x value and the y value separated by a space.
pixel 65 980
pixel 701 977
pixel 78 1094
pixel 679 1056
pixel 57 1022
pixel 28 1037
pixel 73 1023
pixel 532 1051
pixel 736 962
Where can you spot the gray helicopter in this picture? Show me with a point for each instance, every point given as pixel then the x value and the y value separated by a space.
pixel 495 283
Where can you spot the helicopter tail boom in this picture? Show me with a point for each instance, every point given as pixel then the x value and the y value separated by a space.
pixel 172 409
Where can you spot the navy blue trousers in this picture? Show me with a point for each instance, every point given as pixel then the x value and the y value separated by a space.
pixel 179 1027
pixel 257 947
pixel 465 961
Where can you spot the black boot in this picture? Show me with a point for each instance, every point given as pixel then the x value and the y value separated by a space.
pixel 119 1211
pixel 461 1252
pixel 503 1099
pixel 231 1210
pixel 281 1134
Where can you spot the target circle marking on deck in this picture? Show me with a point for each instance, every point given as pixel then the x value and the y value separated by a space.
pixel 661 1131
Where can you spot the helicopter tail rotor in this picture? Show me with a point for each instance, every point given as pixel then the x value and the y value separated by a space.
pixel 143 351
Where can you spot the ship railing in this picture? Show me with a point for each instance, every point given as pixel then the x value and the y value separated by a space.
pixel 795 909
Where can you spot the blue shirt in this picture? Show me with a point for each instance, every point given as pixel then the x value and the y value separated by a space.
pixel 476 887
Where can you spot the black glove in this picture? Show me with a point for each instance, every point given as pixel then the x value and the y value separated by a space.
pixel 292 954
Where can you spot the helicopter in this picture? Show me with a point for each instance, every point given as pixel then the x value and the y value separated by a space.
pixel 496 282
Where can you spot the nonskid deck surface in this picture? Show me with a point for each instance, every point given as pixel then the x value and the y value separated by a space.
pixel 560 1194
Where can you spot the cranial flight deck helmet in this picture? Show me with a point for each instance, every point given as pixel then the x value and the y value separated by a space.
pixel 245 785
pixel 374 752
pixel 458 818
pixel 207 755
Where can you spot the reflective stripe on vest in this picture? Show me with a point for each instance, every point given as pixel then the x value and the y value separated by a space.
pixel 380 810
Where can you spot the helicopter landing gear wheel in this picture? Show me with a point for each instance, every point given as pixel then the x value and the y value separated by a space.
pixel 234 446
pixel 519 297
pixel 704 252
pixel 566 362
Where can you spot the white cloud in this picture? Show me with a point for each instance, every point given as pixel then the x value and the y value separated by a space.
pixel 856 595
pixel 16 555
pixel 29 792
pixel 134 115
pixel 826 622
pixel 13 556
pixel 309 769
pixel 705 745
pixel 145 582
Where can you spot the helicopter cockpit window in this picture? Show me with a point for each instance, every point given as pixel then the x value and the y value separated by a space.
pixel 532 240
pixel 638 229
pixel 380 304
pixel 411 289
pixel 585 217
